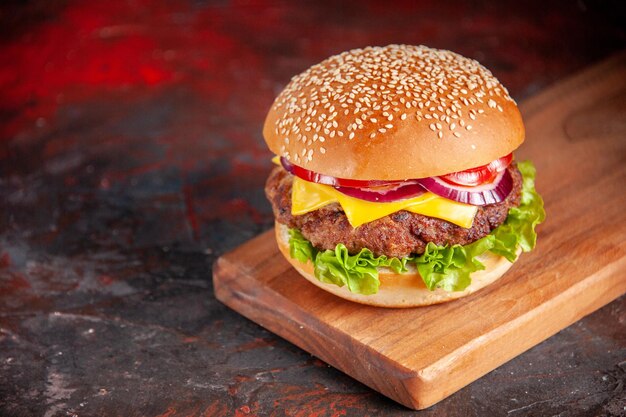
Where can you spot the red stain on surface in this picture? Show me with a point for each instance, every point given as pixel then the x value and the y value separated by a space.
pixel 247 411
pixel 57 145
pixel 170 412
pixel 256 344
pixel 190 213
pixel 192 412
pixel 80 48
pixel 190 339
pixel 106 280
pixel 319 363
pixel 95 47
pixel 239 379
pixel 318 402
pixel 14 283
pixel 238 206
pixel 5 260
pixel 105 184
pixel 135 171
pixel 216 409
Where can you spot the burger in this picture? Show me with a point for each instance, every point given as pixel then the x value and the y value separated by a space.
pixel 395 183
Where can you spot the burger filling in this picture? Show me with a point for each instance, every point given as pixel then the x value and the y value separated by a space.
pixel 399 234
pixel 445 253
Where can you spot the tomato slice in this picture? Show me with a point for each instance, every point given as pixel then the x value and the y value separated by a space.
pixel 470 177
pixel 479 175
pixel 500 164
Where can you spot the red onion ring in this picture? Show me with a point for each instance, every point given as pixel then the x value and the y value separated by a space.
pixel 385 195
pixel 481 195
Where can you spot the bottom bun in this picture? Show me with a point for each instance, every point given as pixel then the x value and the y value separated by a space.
pixel 398 290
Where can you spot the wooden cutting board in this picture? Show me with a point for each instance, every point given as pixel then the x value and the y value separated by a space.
pixel 576 136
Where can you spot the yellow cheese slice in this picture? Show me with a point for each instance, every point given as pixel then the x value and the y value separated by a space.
pixel 309 196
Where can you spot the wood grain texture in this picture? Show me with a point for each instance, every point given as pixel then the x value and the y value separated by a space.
pixel 576 138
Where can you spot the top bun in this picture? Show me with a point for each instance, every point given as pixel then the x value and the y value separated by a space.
pixel 393 112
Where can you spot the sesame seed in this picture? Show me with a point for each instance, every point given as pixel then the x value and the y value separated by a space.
pixel 457 134
pixel 323 150
pixel 403 116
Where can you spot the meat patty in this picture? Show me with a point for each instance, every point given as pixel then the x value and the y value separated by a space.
pixel 399 234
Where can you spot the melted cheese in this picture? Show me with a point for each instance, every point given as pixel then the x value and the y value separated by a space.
pixel 309 196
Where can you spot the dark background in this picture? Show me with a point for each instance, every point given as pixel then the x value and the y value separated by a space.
pixel 131 157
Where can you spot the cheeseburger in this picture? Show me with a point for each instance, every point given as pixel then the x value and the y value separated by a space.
pixel 395 182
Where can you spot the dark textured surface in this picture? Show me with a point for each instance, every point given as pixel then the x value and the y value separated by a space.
pixel 131 158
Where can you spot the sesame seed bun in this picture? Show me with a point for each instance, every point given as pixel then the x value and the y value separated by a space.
pixel 398 290
pixel 393 112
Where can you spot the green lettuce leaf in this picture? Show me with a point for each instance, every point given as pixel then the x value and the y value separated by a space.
pixel 519 228
pixel 359 272
pixel 446 267
pixel 449 267
pixel 300 248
